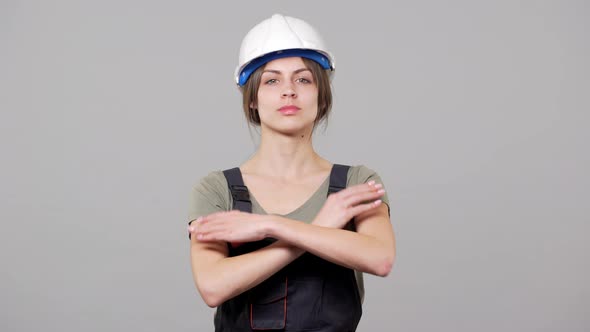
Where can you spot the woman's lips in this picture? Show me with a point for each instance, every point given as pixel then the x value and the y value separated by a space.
pixel 289 109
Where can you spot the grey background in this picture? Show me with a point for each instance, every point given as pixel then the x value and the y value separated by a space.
pixel 475 114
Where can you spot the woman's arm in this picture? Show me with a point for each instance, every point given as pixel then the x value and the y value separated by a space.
pixel 219 278
pixel 371 249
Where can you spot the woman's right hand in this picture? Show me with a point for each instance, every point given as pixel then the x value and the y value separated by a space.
pixel 344 205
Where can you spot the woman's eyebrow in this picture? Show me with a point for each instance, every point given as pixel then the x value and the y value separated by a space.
pixel 274 71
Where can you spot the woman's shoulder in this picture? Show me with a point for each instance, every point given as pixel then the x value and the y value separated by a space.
pixel 213 179
pixel 213 185
pixel 209 194
pixel 360 174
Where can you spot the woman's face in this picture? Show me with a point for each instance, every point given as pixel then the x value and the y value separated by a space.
pixel 287 96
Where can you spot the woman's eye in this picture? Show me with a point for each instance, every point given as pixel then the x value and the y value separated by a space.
pixel 303 80
pixel 271 81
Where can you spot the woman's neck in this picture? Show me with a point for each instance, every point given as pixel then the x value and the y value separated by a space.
pixel 285 157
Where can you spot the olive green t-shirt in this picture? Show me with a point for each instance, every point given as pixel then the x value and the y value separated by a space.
pixel 211 194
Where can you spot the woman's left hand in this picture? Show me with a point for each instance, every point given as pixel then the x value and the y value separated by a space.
pixel 230 226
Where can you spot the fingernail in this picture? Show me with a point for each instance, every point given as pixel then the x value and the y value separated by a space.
pixel 371 182
pixel 381 191
pixel 378 185
pixel 377 202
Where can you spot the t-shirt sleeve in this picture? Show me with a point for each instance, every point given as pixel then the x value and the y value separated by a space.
pixel 209 195
pixel 362 174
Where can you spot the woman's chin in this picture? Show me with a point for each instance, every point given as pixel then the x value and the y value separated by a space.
pixel 292 129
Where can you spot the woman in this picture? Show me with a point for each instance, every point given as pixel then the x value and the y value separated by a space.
pixel 281 242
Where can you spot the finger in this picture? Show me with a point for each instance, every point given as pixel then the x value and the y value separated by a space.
pixel 212 227
pixel 196 225
pixel 204 237
pixel 363 197
pixel 208 235
pixel 355 211
pixel 375 185
pixel 194 230
pixel 360 188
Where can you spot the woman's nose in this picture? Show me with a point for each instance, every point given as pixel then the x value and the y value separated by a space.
pixel 289 91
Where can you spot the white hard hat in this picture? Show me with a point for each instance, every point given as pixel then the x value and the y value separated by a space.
pixel 278 37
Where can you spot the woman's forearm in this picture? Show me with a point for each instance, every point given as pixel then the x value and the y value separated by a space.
pixel 223 278
pixel 354 250
pixel 371 249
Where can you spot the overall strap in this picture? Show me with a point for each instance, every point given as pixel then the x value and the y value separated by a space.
pixel 239 191
pixel 241 196
pixel 338 178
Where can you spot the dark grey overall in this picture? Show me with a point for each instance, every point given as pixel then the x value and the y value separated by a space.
pixel 310 294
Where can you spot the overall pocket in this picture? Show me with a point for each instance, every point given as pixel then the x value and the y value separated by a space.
pixel 268 305
pixel 307 306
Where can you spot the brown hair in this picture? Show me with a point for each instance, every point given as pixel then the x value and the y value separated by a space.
pixel 320 76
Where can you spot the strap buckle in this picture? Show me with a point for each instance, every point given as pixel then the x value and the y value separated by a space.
pixel 334 189
pixel 240 193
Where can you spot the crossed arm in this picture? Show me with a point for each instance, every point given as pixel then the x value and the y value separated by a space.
pixel 218 277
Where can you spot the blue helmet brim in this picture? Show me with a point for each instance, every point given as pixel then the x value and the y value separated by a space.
pixel 260 61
